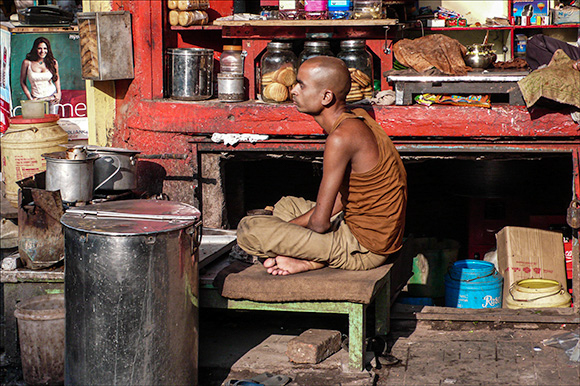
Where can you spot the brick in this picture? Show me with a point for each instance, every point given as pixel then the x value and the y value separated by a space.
pixel 313 346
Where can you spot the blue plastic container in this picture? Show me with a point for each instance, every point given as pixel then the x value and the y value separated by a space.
pixel 473 284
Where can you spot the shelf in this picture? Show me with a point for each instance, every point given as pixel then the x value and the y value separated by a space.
pixel 503 27
pixel 546 26
pixel 197 28
pixel 482 28
pixel 307 23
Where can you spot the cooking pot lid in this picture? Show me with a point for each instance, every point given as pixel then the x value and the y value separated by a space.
pixel 112 150
pixel 131 217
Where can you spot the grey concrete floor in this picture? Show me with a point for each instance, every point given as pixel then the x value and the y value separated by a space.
pixel 239 345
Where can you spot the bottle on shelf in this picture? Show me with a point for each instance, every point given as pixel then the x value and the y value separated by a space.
pixel 339 9
pixel 278 69
pixel 316 9
pixel 290 9
pixel 360 64
pixel 232 59
pixel 269 9
pixel 367 9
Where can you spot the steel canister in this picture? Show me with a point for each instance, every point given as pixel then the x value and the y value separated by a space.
pixel 230 87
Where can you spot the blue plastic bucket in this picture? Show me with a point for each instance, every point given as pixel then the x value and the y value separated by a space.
pixel 473 284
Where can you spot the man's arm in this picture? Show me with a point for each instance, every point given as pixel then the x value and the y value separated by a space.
pixel 303 220
pixel 337 155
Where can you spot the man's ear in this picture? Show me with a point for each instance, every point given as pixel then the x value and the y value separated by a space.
pixel 328 98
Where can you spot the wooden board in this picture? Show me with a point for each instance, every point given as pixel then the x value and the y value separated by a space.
pixel 496 315
pixel 26 28
pixel 306 23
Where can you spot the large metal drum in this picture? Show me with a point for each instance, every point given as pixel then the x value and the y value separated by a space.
pixel 131 293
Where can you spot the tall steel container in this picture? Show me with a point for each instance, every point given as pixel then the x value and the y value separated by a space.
pixel 131 293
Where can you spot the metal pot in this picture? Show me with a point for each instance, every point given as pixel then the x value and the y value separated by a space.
pixel 73 177
pixel 480 55
pixel 115 168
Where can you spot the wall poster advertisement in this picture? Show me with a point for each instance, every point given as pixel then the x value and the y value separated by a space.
pixel 65 49
pixel 4 80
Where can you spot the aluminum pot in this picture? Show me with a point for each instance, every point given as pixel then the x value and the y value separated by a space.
pixel 73 177
pixel 115 168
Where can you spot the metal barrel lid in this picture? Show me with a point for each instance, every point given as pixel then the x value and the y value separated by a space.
pixel 131 217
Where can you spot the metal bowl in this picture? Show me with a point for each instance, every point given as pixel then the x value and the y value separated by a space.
pixel 479 61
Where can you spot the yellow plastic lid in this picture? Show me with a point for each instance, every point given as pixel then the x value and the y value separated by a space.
pixel 232 48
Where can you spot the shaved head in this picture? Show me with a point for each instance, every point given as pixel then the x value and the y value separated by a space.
pixel 329 73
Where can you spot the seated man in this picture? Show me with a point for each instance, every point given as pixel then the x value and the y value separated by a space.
pixel 358 218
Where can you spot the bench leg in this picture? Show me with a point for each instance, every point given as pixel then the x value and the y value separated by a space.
pixel 383 309
pixel 356 335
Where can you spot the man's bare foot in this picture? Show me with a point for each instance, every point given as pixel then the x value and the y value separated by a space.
pixel 288 265
pixel 270 262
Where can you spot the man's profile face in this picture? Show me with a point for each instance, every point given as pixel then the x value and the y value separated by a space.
pixel 306 93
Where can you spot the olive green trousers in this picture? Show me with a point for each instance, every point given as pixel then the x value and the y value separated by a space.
pixel 271 236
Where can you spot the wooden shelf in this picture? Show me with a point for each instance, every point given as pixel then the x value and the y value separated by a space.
pixel 307 23
pixel 546 26
pixel 197 28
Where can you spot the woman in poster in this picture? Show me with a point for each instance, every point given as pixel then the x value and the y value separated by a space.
pixel 41 69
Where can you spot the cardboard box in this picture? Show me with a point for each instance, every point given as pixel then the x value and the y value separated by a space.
pixel 525 253
pixel 566 15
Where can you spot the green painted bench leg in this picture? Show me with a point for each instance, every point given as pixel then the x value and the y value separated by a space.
pixel 383 309
pixel 356 335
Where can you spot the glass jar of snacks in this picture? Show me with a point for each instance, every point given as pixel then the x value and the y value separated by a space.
pixel 360 65
pixel 278 69
pixel 314 48
pixel 367 9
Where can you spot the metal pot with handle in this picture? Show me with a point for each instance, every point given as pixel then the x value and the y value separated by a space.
pixel 73 177
pixel 115 168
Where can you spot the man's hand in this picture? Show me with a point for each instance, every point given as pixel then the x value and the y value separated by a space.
pixel 576 65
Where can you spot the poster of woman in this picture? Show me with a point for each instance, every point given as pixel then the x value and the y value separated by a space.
pixel 39 77
pixel 47 66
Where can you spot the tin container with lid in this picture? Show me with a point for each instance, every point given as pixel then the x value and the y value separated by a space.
pixel 360 65
pixel 190 73
pixel 230 87
pixel 131 293
pixel 314 48
pixel 278 69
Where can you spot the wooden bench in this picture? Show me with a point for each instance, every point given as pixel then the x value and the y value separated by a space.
pixel 325 290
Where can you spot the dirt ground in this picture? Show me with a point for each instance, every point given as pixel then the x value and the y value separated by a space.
pixel 240 344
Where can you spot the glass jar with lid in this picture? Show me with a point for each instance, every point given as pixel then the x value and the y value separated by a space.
pixel 232 60
pixel 314 48
pixel 278 69
pixel 360 65
pixel 367 9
